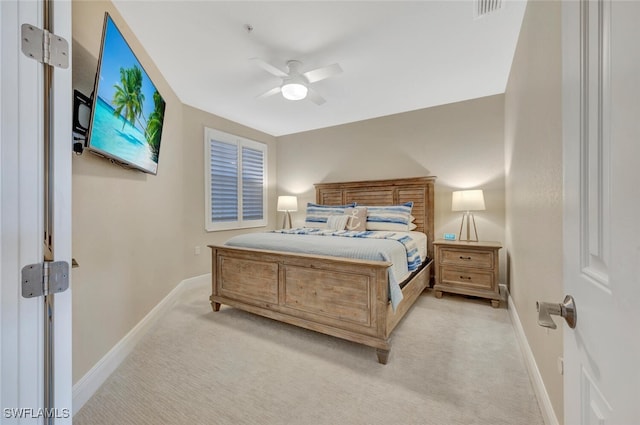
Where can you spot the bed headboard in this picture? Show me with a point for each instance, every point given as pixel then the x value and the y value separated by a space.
pixel 387 192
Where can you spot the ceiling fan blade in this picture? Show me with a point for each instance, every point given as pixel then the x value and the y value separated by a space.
pixel 322 73
pixel 313 96
pixel 271 69
pixel 270 92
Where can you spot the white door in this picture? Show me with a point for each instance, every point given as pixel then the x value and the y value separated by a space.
pixel 601 118
pixel 22 218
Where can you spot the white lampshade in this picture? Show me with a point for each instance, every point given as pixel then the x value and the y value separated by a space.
pixel 287 203
pixel 467 200
pixel 294 91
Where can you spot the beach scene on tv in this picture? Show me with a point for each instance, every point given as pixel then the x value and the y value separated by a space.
pixel 128 110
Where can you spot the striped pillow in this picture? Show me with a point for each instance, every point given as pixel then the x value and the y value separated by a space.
pixel 389 217
pixel 337 222
pixel 317 214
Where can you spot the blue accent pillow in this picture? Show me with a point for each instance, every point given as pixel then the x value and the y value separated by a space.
pixel 389 217
pixel 317 214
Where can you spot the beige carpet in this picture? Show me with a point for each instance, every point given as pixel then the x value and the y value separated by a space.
pixel 453 360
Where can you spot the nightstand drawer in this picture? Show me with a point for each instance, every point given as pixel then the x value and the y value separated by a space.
pixel 467 258
pixel 467 278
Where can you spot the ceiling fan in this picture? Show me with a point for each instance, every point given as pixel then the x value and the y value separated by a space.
pixel 295 84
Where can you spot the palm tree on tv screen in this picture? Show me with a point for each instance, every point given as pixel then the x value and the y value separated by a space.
pixel 128 98
pixel 153 132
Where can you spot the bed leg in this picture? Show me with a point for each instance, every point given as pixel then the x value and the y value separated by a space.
pixel 383 355
pixel 215 306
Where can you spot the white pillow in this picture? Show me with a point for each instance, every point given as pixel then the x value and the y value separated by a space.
pixel 337 222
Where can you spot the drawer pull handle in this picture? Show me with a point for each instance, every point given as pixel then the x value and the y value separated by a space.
pixel 465 277
pixel 465 258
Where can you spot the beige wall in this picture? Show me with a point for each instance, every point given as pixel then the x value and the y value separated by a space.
pixel 125 223
pixel 194 233
pixel 460 143
pixel 134 234
pixel 533 161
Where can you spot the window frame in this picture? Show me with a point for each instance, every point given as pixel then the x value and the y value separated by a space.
pixel 240 143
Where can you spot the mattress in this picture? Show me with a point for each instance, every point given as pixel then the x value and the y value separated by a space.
pixel 405 250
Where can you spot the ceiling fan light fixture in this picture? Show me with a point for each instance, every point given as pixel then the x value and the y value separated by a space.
pixel 294 91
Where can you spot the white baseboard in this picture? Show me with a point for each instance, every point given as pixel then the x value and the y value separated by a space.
pixel 92 380
pixel 548 414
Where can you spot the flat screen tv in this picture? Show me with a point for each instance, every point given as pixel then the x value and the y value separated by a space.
pixel 127 112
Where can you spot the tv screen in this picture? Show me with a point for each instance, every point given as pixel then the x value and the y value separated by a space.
pixel 127 111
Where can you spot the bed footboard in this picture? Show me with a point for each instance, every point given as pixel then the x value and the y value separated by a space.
pixel 342 297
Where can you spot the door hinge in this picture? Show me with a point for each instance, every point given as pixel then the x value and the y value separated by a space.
pixel 49 277
pixel 44 46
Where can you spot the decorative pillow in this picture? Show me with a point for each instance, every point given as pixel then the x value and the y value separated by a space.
pixel 317 214
pixel 389 217
pixel 337 222
pixel 357 218
pixel 412 226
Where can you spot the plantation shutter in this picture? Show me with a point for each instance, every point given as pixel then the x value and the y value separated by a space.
pixel 235 181
pixel 252 184
pixel 224 181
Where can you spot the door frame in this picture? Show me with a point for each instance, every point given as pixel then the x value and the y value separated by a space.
pixel 22 217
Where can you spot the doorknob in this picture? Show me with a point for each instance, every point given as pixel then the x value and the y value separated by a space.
pixel 567 310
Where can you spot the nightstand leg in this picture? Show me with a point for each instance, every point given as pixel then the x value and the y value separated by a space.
pixel 383 355
pixel 438 294
pixel 495 303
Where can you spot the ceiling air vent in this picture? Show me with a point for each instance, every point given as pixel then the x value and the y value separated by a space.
pixel 485 7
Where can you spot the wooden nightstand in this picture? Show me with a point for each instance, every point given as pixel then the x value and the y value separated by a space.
pixel 469 268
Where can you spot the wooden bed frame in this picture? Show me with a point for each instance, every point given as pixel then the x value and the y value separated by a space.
pixel 346 298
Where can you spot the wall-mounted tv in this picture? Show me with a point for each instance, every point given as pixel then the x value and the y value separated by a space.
pixel 127 111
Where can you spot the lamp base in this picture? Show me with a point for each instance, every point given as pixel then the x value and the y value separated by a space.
pixel 286 220
pixel 466 216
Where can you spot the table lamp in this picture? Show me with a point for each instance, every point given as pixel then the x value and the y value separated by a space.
pixel 287 204
pixel 467 201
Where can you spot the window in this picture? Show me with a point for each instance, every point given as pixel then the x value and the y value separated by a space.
pixel 235 181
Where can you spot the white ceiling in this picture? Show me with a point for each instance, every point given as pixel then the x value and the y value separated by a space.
pixel 397 56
